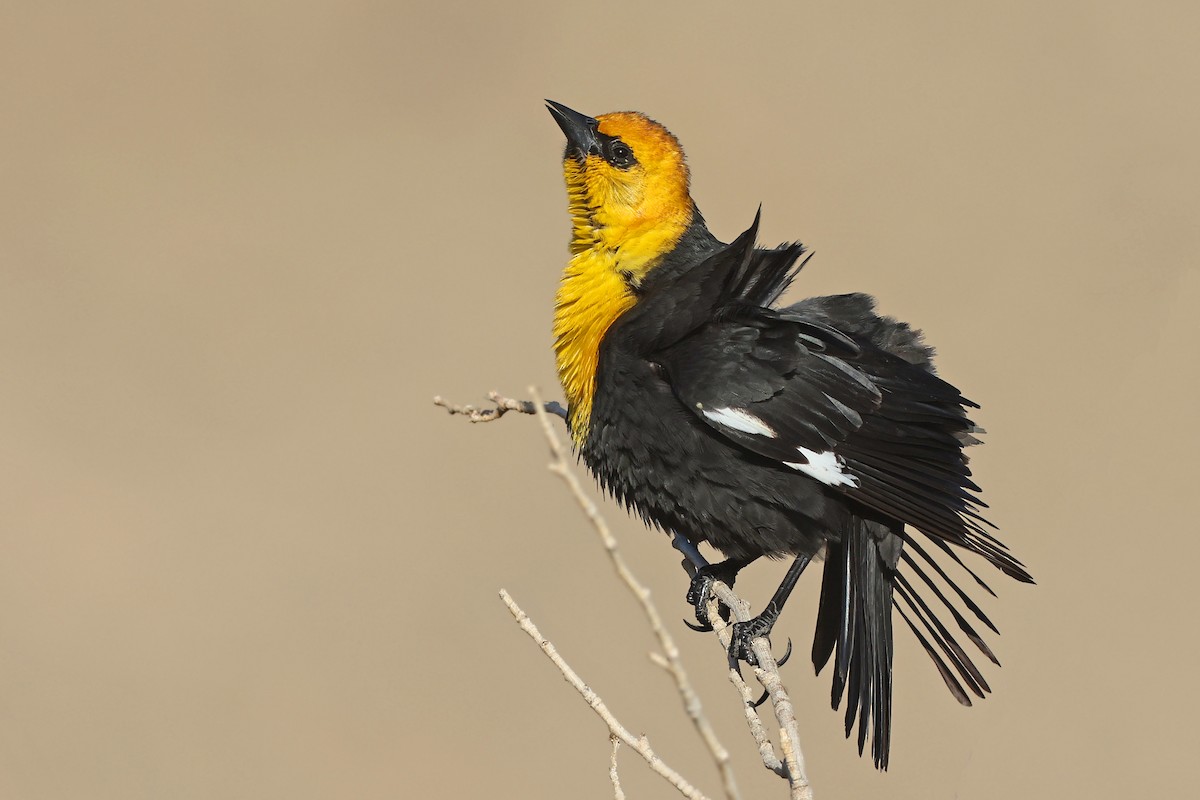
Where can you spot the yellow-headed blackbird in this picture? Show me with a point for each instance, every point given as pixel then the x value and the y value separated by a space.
pixel 779 431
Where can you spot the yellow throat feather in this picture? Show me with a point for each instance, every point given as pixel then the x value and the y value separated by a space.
pixel 622 224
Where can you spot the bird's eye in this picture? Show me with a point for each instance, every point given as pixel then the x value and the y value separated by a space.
pixel 620 155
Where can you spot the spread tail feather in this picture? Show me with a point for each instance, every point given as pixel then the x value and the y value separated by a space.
pixel 855 622
pixel 863 574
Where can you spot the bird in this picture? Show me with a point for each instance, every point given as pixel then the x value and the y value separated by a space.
pixel 816 431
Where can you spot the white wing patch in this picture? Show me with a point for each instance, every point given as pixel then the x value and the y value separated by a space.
pixel 739 419
pixel 823 466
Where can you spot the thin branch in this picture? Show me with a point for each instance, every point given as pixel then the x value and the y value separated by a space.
pixel 639 744
pixel 613 775
pixel 672 661
pixel 501 406
pixel 758 731
pixel 767 674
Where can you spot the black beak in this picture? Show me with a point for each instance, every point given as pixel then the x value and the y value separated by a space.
pixel 579 129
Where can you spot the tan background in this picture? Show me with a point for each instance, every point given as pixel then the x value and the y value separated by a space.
pixel 242 245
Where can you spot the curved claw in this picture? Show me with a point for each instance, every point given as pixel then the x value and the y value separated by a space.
pixel 701 628
pixel 700 590
pixel 779 663
pixel 746 632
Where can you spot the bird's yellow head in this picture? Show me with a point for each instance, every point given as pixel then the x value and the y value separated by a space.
pixel 627 191
pixel 627 186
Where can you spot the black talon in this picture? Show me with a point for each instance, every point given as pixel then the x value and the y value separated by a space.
pixel 786 654
pixel 700 589
pixel 779 663
pixel 698 628
pixel 746 632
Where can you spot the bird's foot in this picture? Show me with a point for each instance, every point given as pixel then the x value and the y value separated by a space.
pixel 745 632
pixel 700 591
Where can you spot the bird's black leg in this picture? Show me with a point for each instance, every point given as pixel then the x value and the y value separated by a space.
pixel 693 559
pixel 744 632
pixel 700 589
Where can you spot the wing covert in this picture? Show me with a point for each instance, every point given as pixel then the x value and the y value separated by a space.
pixel 765 384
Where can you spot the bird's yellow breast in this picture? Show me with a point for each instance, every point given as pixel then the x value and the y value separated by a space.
pixel 591 297
pixel 623 222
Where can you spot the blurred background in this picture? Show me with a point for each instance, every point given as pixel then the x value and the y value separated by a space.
pixel 242 245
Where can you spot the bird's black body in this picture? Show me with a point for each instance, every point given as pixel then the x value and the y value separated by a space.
pixel 659 457
pixel 814 429
pixel 828 374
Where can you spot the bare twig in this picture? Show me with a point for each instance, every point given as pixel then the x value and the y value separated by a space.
pixel 639 744
pixel 767 673
pixel 758 731
pixel 671 660
pixel 613 775
pixel 502 405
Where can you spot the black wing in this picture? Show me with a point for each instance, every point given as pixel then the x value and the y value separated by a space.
pixel 809 387
pixel 830 389
pixel 764 387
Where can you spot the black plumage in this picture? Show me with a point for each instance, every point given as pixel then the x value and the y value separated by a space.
pixel 815 429
pixel 826 374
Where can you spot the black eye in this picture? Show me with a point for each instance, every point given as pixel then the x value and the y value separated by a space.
pixel 619 155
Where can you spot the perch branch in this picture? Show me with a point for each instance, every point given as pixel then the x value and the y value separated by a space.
pixel 767 674
pixel 613 774
pixel 639 744
pixel 501 406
